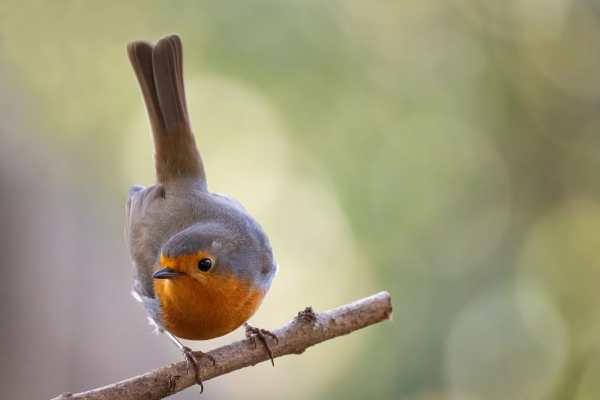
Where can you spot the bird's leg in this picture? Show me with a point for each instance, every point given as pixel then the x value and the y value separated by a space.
pixel 190 358
pixel 252 332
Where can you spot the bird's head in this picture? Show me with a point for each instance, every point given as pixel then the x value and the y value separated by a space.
pixel 210 252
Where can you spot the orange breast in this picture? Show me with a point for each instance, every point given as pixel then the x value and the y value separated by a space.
pixel 202 310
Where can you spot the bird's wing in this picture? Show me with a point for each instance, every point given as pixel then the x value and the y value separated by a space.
pixel 139 201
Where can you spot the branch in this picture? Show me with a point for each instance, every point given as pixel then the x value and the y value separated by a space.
pixel 304 331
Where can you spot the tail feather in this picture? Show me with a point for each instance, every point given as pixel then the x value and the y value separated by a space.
pixel 159 70
pixel 167 59
pixel 140 57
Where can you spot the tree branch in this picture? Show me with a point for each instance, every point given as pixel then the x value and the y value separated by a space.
pixel 305 330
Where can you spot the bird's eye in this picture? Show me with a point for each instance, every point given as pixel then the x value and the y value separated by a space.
pixel 204 264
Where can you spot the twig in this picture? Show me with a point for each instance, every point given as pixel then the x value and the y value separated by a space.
pixel 305 330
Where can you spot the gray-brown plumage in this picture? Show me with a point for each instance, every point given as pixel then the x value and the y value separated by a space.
pixel 159 70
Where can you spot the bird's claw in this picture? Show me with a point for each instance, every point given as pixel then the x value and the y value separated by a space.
pixel 191 359
pixel 253 332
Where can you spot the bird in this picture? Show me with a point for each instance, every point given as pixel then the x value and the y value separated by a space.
pixel 202 264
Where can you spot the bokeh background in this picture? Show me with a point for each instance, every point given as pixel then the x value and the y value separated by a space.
pixel 445 151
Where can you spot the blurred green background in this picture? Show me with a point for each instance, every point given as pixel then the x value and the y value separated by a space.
pixel 444 151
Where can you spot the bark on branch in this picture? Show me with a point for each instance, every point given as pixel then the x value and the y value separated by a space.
pixel 305 330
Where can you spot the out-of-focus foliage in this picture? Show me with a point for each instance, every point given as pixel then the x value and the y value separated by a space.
pixel 447 152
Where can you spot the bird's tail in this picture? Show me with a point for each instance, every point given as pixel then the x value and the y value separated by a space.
pixel 159 72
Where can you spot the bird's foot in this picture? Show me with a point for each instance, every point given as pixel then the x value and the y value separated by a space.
pixel 254 332
pixel 190 357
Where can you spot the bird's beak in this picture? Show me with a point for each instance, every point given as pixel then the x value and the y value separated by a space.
pixel 167 273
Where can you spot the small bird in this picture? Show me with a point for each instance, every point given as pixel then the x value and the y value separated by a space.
pixel 202 265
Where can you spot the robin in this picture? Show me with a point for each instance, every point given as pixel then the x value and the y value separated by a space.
pixel 201 264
